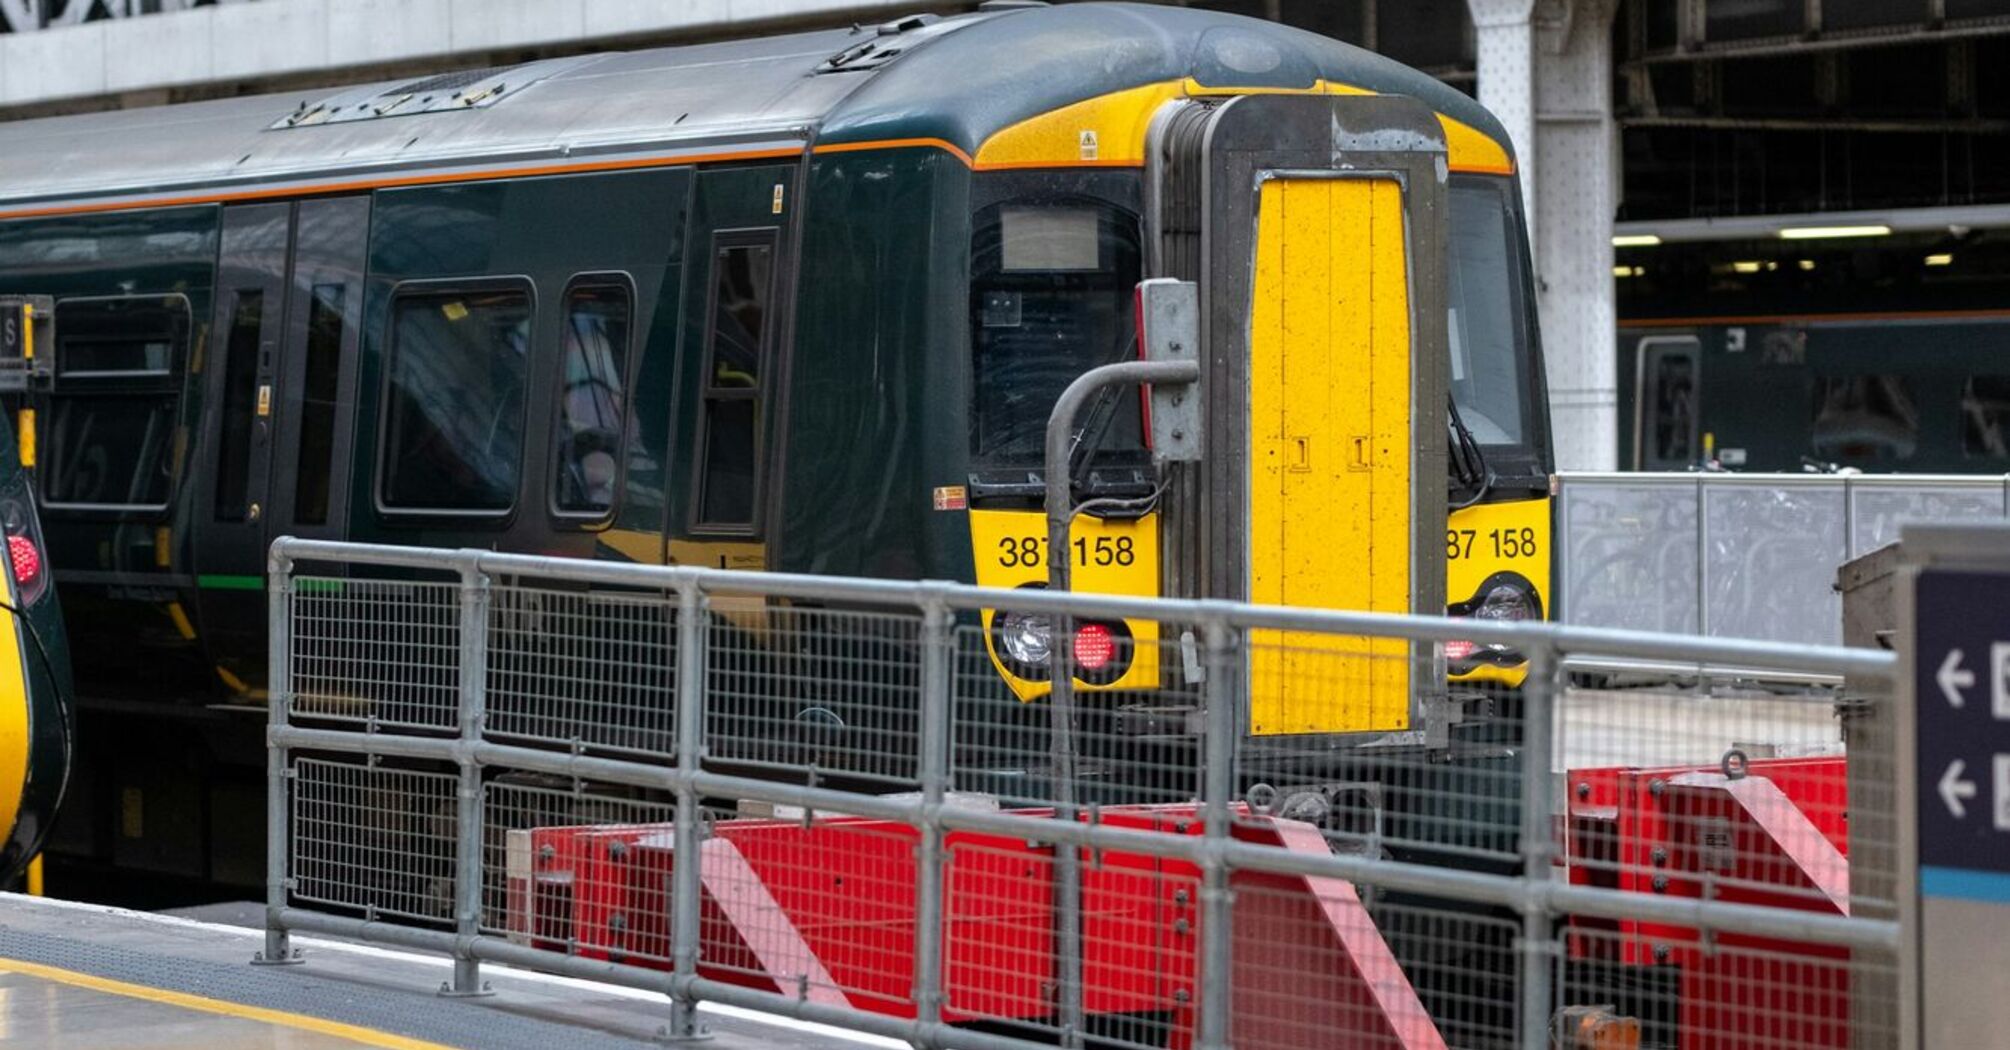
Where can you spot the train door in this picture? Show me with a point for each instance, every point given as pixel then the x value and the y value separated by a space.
pixel 237 367
pixel 1668 417
pixel 279 394
pixel 735 282
pixel 317 375
pixel 1326 394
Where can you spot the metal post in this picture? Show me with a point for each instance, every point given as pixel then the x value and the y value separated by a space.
pixel 474 659
pixel 1217 928
pixel 1540 692
pixel 937 645
pixel 1060 666
pixel 686 886
pixel 279 949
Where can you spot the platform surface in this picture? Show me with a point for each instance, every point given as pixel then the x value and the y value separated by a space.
pixel 77 976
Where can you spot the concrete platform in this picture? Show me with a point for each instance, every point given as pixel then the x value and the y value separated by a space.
pixel 79 975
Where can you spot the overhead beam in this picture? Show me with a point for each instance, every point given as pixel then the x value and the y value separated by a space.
pixel 1767 227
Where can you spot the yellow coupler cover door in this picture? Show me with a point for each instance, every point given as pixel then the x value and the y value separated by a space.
pixel 1324 324
pixel 1329 450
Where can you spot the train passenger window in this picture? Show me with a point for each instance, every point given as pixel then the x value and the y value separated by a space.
pixel 1051 288
pixel 1485 325
pixel 108 437
pixel 1865 417
pixel 1985 417
pixel 592 399
pixel 240 382
pixel 454 418
pixel 741 329
pixel 320 391
pixel 1669 422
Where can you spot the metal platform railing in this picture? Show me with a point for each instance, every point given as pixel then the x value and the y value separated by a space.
pixel 503 758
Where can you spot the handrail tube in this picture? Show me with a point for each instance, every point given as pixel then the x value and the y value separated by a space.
pixel 1568 639
pixel 1061 662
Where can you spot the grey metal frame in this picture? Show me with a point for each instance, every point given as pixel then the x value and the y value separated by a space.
pixel 1535 895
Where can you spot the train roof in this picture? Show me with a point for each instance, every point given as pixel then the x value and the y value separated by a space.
pixel 956 80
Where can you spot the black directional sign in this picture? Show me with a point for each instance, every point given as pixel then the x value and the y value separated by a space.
pixel 1962 688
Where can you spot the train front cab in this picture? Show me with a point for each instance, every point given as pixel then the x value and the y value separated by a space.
pixel 37 724
pixel 1335 333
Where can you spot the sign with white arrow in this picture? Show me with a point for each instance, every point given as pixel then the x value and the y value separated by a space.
pixel 1954 790
pixel 1961 679
pixel 1952 679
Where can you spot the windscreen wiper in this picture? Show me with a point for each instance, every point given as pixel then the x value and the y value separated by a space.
pixel 1468 461
pixel 1096 421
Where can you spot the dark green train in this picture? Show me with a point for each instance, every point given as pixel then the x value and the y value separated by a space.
pixel 798 304
pixel 1880 350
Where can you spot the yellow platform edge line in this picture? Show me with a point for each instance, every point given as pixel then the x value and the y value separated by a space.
pixel 354 1033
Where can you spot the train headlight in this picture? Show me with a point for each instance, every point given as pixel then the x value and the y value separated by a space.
pixel 1505 601
pixel 1027 638
pixel 1505 597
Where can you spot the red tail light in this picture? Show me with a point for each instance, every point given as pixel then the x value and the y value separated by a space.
pixel 1459 650
pixel 1095 647
pixel 26 562
pixel 24 550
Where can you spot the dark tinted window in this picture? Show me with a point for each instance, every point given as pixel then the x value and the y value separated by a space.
pixel 593 398
pixel 103 351
pixel 741 327
pixel 1484 320
pixel 320 391
pixel 108 451
pixel 455 421
pixel 1985 417
pixel 240 381
pixel 1866 417
pixel 1668 422
pixel 108 438
pixel 729 463
pixel 1051 292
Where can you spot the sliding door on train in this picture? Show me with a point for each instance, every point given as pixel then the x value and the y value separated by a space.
pixel 278 391
pixel 736 278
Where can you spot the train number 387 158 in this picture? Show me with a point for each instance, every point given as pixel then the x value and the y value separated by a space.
pixel 1506 543
pixel 1030 551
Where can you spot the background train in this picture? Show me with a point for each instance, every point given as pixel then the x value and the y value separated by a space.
pixel 799 303
pixel 1879 351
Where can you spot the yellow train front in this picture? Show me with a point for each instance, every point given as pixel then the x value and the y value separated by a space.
pixel 1375 432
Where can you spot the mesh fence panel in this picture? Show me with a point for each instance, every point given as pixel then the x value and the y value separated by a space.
pixel 1716 790
pixel 382 651
pixel 373 839
pixel 597 669
pixel 535 870
pixel 1718 989
pixel 830 690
